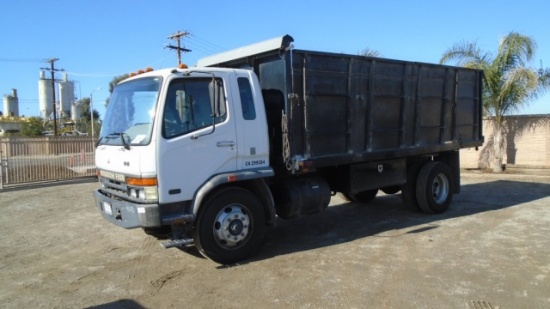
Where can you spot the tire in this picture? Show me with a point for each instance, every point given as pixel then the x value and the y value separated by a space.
pixel 230 226
pixel 434 190
pixel 408 190
pixel 361 197
pixel 391 190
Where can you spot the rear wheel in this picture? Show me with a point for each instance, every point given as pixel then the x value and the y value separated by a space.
pixel 230 226
pixel 433 188
pixel 408 190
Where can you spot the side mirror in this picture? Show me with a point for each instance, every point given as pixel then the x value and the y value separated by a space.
pixel 215 97
pixel 216 101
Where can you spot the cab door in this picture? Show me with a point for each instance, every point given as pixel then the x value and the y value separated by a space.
pixel 252 135
pixel 197 137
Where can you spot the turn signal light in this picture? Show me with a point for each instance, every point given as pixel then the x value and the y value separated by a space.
pixel 141 182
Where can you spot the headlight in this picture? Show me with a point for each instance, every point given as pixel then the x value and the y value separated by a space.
pixel 143 188
pixel 145 193
pixel 134 193
pixel 150 193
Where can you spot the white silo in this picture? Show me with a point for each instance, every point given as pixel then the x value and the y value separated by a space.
pixel 66 96
pixel 45 96
pixel 76 111
pixel 11 104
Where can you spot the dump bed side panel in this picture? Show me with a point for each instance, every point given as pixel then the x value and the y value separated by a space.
pixel 346 108
pixel 325 109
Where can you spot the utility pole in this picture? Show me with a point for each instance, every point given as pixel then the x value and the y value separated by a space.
pixel 177 36
pixel 52 70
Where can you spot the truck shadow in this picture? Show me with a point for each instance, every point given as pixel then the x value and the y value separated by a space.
pixel 119 304
pixel 346 221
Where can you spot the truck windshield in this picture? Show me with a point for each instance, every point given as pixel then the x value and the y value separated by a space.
pixel 130 113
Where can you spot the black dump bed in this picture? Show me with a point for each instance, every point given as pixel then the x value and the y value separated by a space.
pixel 329 109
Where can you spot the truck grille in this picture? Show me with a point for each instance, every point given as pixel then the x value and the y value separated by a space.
pixel 116 189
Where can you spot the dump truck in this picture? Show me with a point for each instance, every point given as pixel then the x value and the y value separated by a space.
pixel 219 152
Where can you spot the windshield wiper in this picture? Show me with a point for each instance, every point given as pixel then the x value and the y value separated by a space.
pixel 98 141
pixel 125 143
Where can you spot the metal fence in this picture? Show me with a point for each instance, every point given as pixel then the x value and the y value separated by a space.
pixel 27 160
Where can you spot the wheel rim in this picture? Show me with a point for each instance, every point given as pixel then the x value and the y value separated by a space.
pixel 440 188
pixel 232 226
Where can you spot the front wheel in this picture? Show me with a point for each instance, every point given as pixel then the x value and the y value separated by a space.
pixel 433 187
pixel 230 226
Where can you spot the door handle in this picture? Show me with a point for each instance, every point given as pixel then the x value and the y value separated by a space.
pixel 225 144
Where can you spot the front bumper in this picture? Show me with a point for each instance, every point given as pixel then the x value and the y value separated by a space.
pixel 125 214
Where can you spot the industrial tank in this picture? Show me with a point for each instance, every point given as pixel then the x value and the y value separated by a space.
pixel 11 104
pixel 76 111
pixel 66 96
pixel 45 95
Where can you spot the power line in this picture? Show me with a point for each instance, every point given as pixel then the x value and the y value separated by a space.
pixel 20 60
pixel 207 44
pixel 95 75
pixel 203 48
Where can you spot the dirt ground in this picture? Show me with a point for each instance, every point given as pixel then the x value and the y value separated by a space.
pixel 490 250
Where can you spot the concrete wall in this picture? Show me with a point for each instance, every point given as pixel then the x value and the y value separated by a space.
pixel 9 124
pixel 527 139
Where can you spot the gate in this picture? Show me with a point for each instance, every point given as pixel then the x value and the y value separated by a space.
pixel 27 160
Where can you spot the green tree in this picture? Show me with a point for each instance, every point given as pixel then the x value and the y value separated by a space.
pixel 85 118
pixel 32 127
pixel 509 83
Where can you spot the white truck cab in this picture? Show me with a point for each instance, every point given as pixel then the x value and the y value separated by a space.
pixel 172 136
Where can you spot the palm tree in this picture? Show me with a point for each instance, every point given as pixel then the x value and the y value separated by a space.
pixel 508 82
pixel 367 52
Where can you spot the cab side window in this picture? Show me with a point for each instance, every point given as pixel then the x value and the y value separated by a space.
pixel 247 101
pixel 188 107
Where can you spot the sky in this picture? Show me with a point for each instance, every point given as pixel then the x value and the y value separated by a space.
pixel 100 39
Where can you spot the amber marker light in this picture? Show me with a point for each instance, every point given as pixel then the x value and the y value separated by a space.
pixel 142 182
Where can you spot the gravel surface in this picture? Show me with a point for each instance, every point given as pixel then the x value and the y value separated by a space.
pixel 490 250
